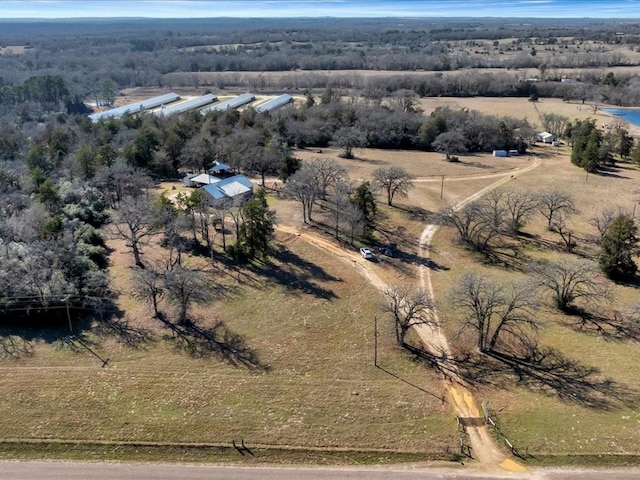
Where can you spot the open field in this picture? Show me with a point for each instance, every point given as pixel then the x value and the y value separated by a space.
pixel 309 319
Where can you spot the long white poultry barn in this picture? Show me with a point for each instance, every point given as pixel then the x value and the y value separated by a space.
pixel 136 107
pixel 275 103
pixel 230 104
pixel 187 105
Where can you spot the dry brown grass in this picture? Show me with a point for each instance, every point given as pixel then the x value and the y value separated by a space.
pixel 311 322
pixel 312 325
pixel 532 418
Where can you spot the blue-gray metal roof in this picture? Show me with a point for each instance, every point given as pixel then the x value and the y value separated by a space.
pixel 275 103
pixel 236 178
pixel 229 187
pixel 214 191
pixel 187 105
pixel 136 107
pixel 219 167
pixel 230 104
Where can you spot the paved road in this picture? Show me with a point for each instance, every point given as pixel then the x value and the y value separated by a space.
pixel 42 470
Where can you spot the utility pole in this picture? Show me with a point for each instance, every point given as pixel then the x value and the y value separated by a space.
pixel 66 302
pixel 375 340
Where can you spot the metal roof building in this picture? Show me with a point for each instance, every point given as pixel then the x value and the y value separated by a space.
pixel 220 167
pixel 187 105
pixel 135 107
pixel 233 190
pixel 275 103
pixel 230 104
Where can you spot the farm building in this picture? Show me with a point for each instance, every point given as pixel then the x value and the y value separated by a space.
pixel 187 105
pixel 220 168
pixel 229 192
pixel 275 103
pixel 198 180
pixel 546 137
pixel 135 107
pixel 230 104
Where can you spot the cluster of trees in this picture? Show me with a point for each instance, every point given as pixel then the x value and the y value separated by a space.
pixel 52 253
pixel 353 208
pixel 482 223
pixel 348 206
pixel 592 149
pixel 505 316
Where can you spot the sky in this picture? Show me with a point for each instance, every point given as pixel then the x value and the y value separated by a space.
pixel 321 8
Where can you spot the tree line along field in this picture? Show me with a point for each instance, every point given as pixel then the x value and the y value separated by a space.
pixel 432 54
pixel 280 351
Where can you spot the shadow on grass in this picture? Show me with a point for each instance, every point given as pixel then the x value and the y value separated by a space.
pixel 66 326
pixel 120 327
pixel 296 274
pixel 610 327
pixel 547 371
pixel 610 171
pixel 216 340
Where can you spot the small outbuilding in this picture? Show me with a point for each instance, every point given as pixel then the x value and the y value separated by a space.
pixel 198 180
pixel 546 137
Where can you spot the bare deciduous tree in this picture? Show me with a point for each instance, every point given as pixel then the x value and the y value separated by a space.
pixel 186 287
pixel 303 186
pixel 134 222
pixel 349 138
pixel 327 173
pixel 601 222
pixel 568 281
pixel 495 311
pixel 394 181
pixel 552 203
pixel 520 206
pixel 407 307
pixel 340 200
pixel 450 142
pixel 559 225
pixel 148 286
pixel 476 223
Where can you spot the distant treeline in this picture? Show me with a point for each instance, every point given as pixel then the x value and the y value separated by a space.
pixel 156 53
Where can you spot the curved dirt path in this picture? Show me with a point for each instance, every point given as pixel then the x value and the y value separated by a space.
pixel 484 448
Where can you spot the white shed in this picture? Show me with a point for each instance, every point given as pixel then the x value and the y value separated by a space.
pixel 546 137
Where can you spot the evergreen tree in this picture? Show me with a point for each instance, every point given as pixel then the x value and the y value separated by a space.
pixel 619 245
pixel 256 232
pixel 365 201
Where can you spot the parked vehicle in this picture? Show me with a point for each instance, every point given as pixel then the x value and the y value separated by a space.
pixel 366 253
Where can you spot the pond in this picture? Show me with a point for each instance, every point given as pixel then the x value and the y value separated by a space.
pixel 631 115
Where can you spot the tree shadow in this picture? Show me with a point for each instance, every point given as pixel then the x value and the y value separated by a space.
pixel 216 340
pixel 614 327
pixel 418 214
pixel 68 327
pixel 121 328
pixel 297 274
pixel 550 372
pixel 14 346
pixel 433 265
pixel 610 171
